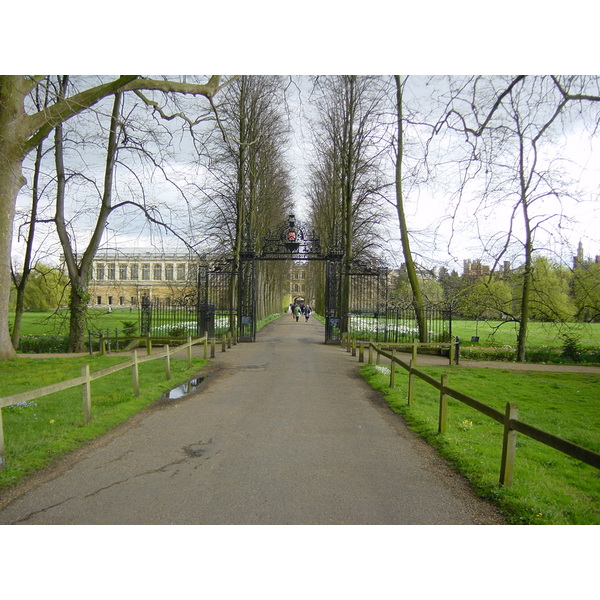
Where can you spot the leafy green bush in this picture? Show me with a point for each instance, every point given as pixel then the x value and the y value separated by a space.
pixel 506 353
pixel 571 348
pixel 43 344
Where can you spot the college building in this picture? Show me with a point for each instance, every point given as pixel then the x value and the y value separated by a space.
pixel 121 278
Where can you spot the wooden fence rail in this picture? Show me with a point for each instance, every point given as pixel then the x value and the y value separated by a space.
pixel 86 378
pixel 509 419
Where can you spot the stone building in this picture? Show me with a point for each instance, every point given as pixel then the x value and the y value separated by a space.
pixel 120 279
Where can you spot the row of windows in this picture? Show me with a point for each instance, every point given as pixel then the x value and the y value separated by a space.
pixel 108 272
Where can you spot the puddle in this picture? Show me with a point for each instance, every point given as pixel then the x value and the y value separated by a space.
pixel 184 389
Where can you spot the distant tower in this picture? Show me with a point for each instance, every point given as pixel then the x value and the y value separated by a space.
pixel 578 260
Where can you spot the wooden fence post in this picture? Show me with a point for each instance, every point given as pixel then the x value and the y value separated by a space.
pixel 168 364
pixel 443 418
pixel 353 346
pixel 2 456
pixel 361 353
pixel 148 345
pixel 189 351
pixel 411 384
pixel 86 395
pixel 223 343
pixel 414 352
pixel 370 353
pixel 509 445
pixel 392 371
pixel 135 375
pixel 212 347
pixel 451 354
pixel 229 339
pixel 206 344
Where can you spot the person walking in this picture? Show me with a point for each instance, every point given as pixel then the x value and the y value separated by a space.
pixel 297 312
pixel 307 311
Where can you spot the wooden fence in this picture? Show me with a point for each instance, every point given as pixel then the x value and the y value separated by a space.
pixel 86 378
pixel 509 419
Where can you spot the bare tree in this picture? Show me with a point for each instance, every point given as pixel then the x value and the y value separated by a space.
pixel 344 191
pixel 511 151
pixel 21 132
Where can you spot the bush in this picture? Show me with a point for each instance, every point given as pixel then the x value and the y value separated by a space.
pixel 43 344
pixel 572 349
pixel 506 353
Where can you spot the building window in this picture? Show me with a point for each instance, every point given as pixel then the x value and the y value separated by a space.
pixel 181 272
pixel 296 287
pixel 121 300
pixel 100 273
pixel 302 275
pixel 99 299
pixel 112 271
pixel 157 272
pixel 169 272
pixel 134 272
pixel 110 300
pixel 122 272
pixel 146 272
pixel 133 301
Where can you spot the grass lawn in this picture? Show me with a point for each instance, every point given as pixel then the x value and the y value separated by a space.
pixel 42 430
pixel 549 487
pixel 539 334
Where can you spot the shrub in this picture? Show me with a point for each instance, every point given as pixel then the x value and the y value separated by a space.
pixel 572 349
pixel 43 344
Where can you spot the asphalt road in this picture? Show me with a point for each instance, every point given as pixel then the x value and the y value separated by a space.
pixel 282 431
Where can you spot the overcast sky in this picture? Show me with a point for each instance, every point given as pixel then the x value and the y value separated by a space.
pixel 317 37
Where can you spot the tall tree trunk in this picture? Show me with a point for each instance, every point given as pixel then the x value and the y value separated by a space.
pixel 21 284
pixel 411 271
pixel 78 271
pixel 12 139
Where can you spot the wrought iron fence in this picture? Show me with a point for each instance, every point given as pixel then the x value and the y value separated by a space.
pixel 399 324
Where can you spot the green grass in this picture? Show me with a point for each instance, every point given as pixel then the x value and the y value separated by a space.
pixel 549 487
pixel 539 334
pixel 52 426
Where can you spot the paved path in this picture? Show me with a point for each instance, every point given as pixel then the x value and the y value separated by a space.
pixel 283 431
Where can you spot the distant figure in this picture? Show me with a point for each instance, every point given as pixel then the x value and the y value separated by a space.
pixel 297 312
pixel 307 311
pixel 109 310
pixel 290 310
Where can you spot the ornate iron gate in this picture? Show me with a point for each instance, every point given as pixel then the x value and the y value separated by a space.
pixel 368 290
pixel 215 309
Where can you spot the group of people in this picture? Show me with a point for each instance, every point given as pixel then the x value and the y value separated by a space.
pixel 299 309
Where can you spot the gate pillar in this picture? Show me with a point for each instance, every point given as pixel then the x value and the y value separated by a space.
pixel 246 317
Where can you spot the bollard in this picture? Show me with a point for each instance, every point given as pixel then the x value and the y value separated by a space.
pixel 411 384
pixel 443 416
pixel 86 395
pixel 392 371
pixel 135 375
pixel 361 353
pixel 509 445
pixel 167 364
pixel 212 347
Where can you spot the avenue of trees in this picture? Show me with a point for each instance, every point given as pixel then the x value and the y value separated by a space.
pixel 96 150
